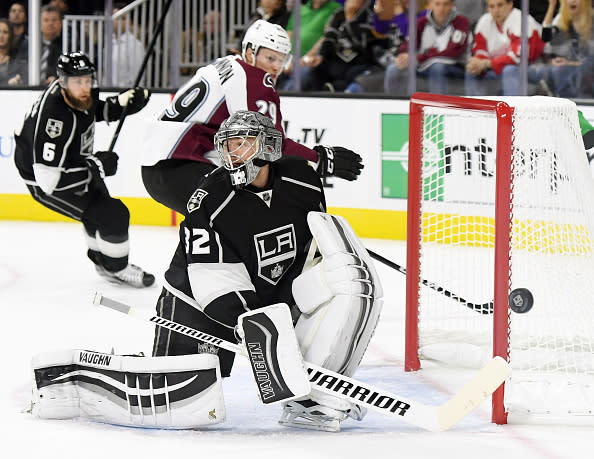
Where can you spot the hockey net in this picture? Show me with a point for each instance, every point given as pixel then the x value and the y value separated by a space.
pixel 500 197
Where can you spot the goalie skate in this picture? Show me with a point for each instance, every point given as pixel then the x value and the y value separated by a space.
pixel 131 275
pixel 308 414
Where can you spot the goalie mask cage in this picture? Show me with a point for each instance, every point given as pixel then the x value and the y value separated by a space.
pixel 499 197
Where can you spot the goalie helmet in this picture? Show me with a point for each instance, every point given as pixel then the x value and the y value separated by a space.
pixel 263 34
pixel 74 64
pixel 246 141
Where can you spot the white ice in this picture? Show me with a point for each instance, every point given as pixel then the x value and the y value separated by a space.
pixel 46 291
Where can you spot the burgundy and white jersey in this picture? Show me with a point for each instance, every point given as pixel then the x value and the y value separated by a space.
pixel 502 44
pixel 186 129
pixel 447 43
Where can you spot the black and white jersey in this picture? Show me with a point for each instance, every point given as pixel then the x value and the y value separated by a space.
pixel 241 249
pixel 54 141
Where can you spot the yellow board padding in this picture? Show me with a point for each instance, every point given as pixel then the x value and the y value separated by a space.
pixel 143 211
pixel 534 236
pixel 374 223
pixel 370 223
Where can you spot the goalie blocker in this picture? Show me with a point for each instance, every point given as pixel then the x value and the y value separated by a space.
pixel 176 392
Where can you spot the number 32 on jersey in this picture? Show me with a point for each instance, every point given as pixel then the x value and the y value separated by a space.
pixel 197 241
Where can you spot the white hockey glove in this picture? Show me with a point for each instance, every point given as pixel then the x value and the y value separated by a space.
pixel 136 99
pixel 338 161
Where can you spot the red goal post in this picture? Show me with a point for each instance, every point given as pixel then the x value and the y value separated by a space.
pixel 494 203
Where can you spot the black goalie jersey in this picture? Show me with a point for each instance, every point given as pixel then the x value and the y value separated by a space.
pixel 241 249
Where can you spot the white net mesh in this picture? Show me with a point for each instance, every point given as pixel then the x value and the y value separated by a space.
pixel 551 346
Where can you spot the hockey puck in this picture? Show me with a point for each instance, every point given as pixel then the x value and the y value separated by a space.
pixel 520 300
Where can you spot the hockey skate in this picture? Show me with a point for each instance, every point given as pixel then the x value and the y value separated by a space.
pixel 309 414
pixel 131 275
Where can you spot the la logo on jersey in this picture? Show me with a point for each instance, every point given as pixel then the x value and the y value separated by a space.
pixel 276 251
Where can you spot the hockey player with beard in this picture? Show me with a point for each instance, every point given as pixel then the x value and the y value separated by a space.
pixel 54 156
pixel 179 147
pixel 253 235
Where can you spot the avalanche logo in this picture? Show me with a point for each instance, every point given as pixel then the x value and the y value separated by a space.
pixel 276 251
pixel 268 81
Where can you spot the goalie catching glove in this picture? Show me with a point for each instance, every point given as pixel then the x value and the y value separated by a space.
pixel 339 162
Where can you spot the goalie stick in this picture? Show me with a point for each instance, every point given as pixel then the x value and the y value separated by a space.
pixel 433 418
pixel 484 308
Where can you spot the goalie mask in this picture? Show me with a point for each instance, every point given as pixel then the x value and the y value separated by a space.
pixel 246 141
pixel 263 34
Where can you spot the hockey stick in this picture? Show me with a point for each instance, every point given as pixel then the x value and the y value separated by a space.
pixel 484 308
pixel 432 418
pixel 141 71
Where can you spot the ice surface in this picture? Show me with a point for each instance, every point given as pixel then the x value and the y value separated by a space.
pixel 46 292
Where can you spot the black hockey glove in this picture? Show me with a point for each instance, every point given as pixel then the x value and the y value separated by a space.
pixel 339 162
pixel 103 163
pixel 136 99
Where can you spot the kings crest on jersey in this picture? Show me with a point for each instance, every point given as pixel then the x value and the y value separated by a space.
pixel 242 248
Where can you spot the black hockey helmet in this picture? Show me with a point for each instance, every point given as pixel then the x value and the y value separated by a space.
pixel 74 64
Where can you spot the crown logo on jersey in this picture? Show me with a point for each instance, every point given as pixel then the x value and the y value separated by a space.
pixel 53 128
pixel 196 199
pixel 277 271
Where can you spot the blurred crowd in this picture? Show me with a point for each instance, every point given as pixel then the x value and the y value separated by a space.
pixel 462 47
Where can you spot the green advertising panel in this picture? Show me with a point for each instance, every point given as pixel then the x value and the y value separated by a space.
pixel 394 155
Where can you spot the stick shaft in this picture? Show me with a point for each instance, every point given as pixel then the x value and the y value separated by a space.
pixel 484 308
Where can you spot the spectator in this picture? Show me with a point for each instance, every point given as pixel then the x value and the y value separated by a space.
pixel 346 50
pixel 17 17
pixel 496 51
pixel 51 35
pixel 314 16
pixel 442 50
pixel 537 9
pixel 273 11
pixel 568 39
pixel 211 32
pixel 390 22
pixel 127 50
pixel 471 9
pixel 390 14
pixel 12 70
pixel 62 5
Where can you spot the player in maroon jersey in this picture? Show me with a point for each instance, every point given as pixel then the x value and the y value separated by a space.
pixel 180 144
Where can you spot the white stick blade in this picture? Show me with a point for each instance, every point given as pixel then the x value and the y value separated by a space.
pixel 474 393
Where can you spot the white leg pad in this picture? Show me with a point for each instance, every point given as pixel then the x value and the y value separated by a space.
pixel 176 392
pixel 337 334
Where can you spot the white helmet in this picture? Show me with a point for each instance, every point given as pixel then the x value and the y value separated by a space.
pixel 263 34
pixel 258 143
